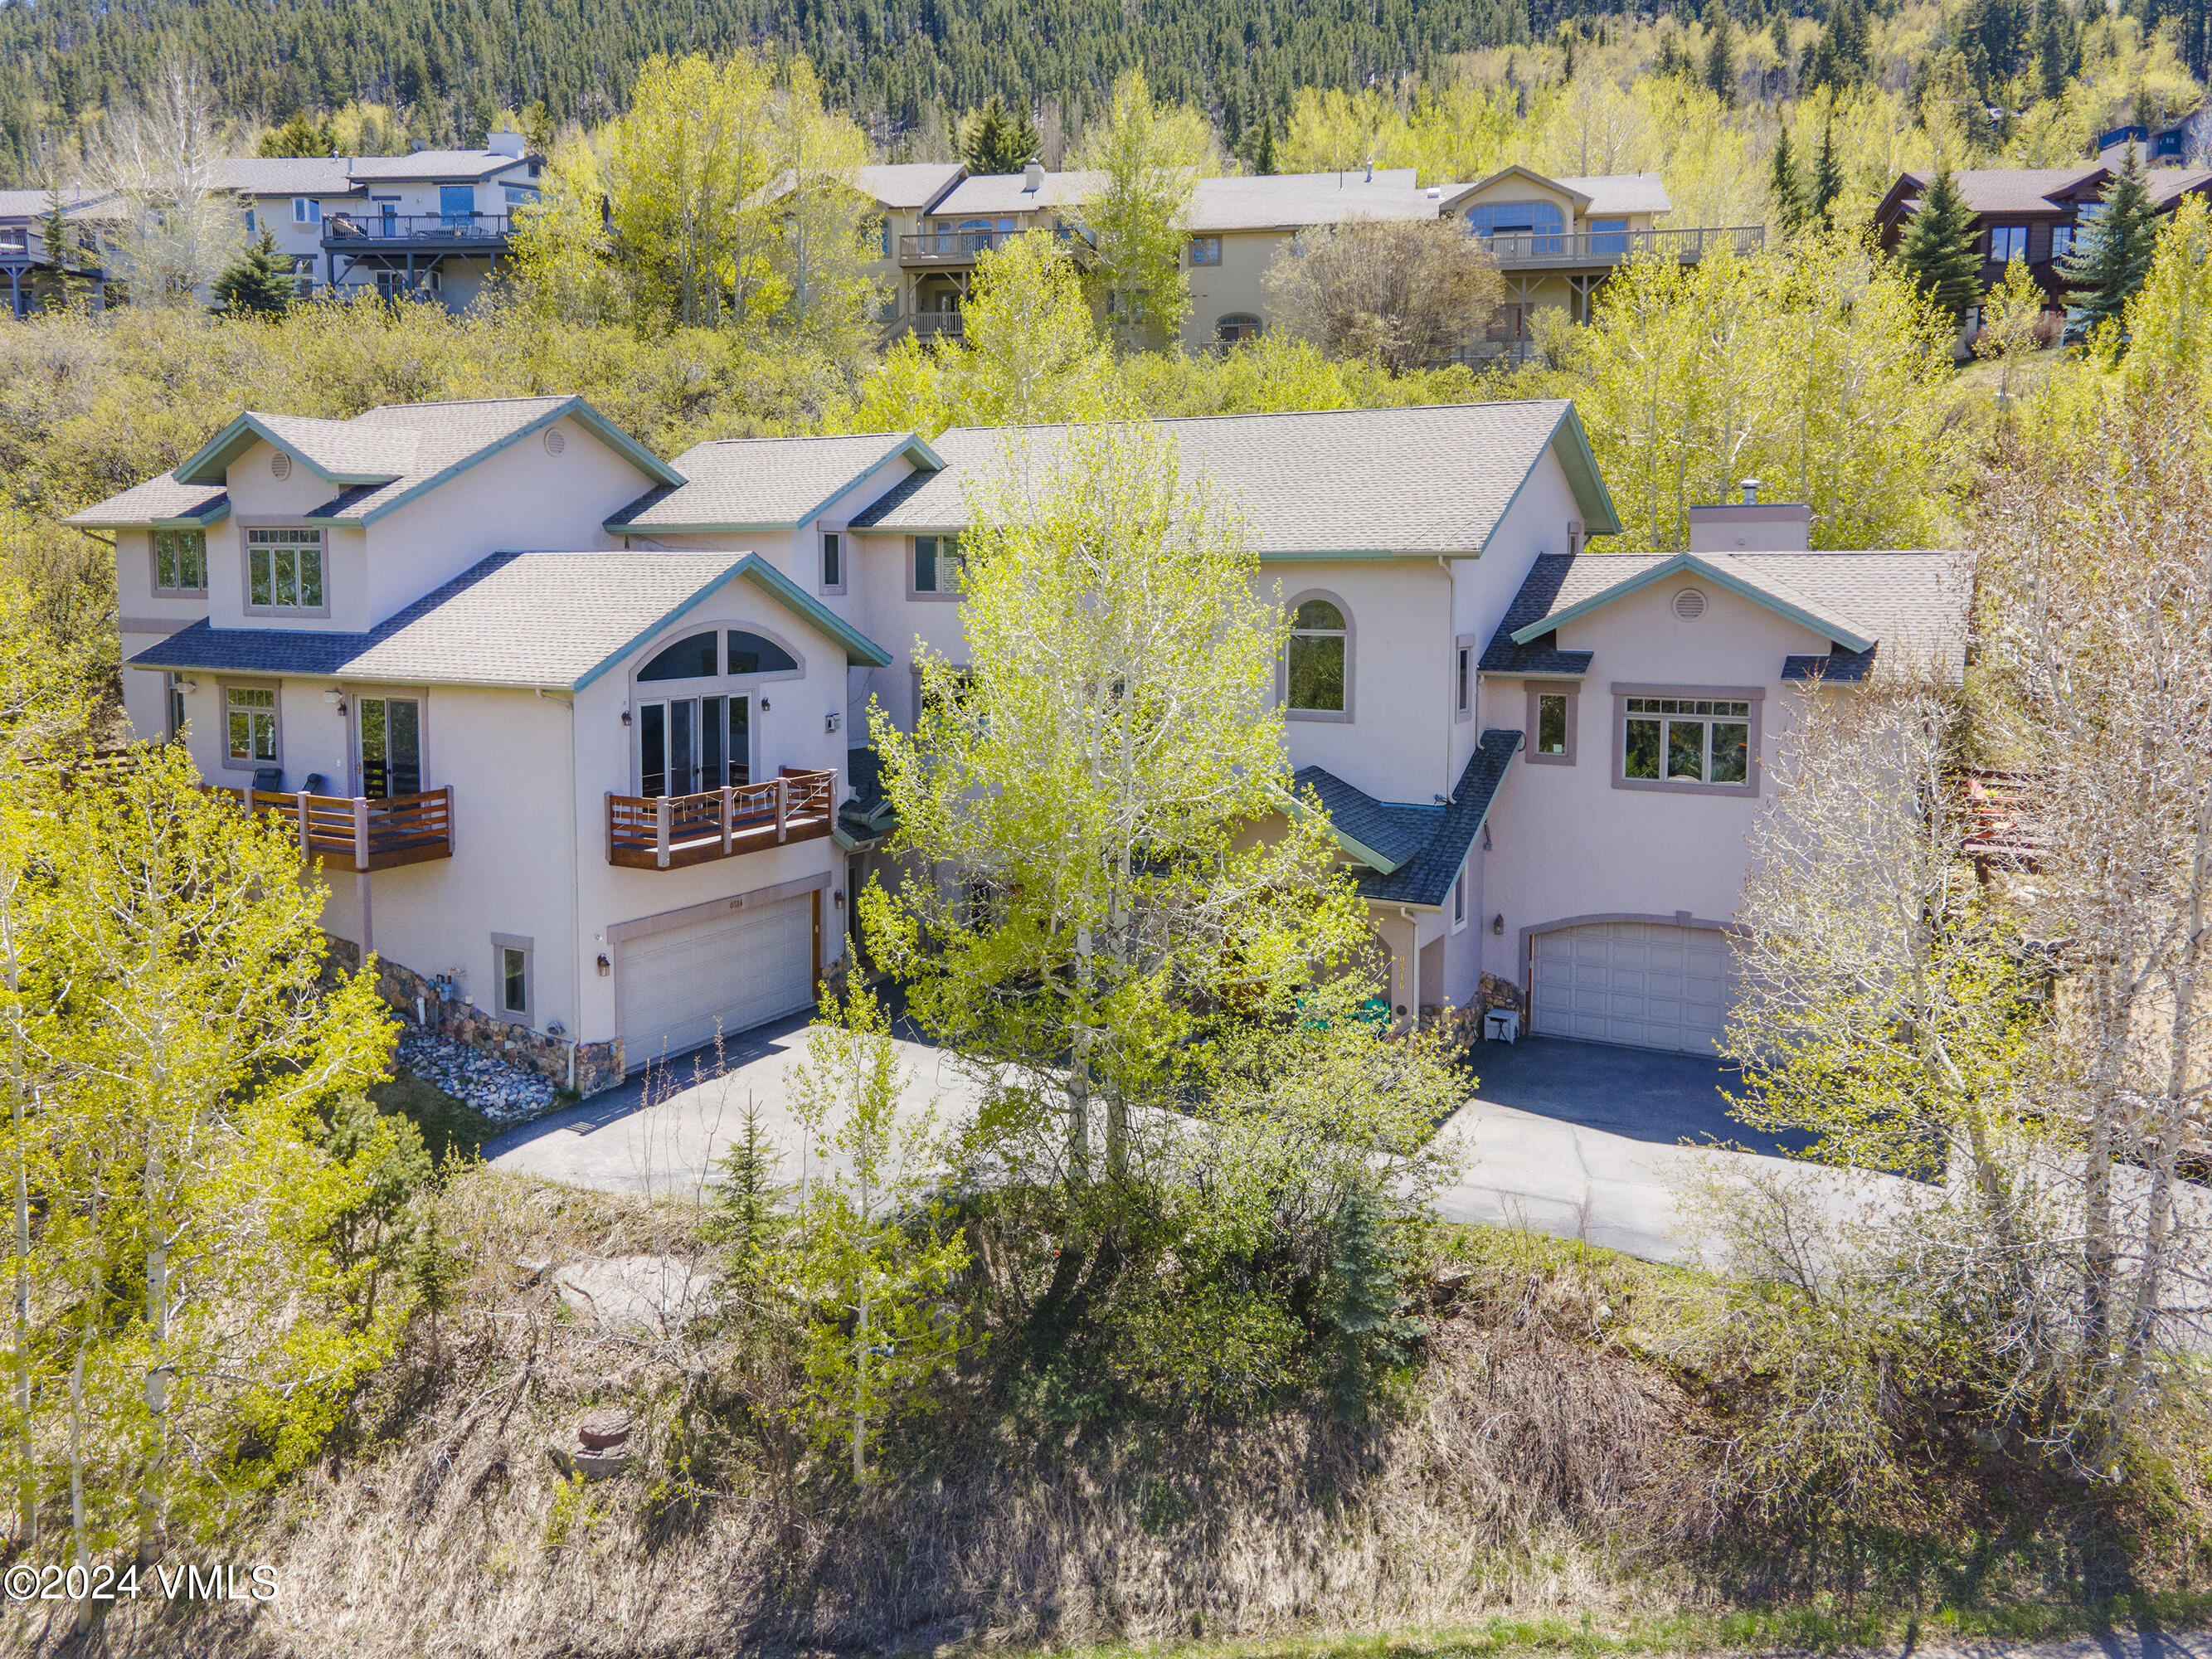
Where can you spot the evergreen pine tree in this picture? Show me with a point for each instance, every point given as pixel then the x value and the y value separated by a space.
pixel 989 146
pixel 59 283
pixel 1827 178
pixel 2054 53
pixel 1263 153
pixel 1023 144
pixel 1783 185
pixel 1938 250
pixel 1720 53
pixel 298 136
pixel 2111 251
pixel 254 285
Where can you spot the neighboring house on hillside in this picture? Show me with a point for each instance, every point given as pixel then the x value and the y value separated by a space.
pixel 1555 239
pixel 902 194
pixel 575 721
pixel 2179 143
pixel 2030 213
pixel 86 213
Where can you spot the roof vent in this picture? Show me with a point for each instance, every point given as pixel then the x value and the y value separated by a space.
pixel 1690 604
pixel 556 441
pixel 1435 192
pixel 1751 492
pixel 280 466
pixel 1032 177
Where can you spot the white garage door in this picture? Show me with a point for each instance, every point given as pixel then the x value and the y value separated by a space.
pixel 1650 985
pixel 678 988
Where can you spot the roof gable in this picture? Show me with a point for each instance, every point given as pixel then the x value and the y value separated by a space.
pixel 858 646
pixel 1760 588
pixel 1514 171
pixel 333 450
pixel 732 485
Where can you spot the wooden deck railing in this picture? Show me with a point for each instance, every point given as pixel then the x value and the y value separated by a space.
pixel 667 832
pixel 1522 250
pixel 1999 831
pixel 355 832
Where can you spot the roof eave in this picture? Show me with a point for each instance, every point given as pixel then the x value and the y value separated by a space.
pixel 1299 807
pixel 1825 628
pixel 210 463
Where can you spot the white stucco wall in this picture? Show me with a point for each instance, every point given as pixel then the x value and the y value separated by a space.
pixel 521 500
pixel 144 618
pixel 1564 842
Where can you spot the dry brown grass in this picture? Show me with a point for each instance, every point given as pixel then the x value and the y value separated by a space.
pixel 1530 1450
pixel 1542 1468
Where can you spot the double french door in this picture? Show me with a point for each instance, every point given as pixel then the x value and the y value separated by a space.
pixel 687 745
pixel 390 746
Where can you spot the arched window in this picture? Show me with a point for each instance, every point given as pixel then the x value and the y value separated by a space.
pixel 691 658
pixel 1318 659
pixel 1236 326
pixel 756 653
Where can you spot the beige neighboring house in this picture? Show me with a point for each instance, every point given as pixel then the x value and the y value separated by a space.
pixel 1557 239
pixel 903 193
pixel 575 733
pixel 86 214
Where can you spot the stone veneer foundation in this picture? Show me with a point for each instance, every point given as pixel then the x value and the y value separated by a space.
pixel 584 1067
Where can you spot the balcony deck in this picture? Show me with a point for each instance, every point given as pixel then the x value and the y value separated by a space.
pixel 1602 250
pixel 365 232
pixel 355 832
pixel 950 248
pixel 672 832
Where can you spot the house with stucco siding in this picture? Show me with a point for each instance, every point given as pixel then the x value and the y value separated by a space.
pixel 576 734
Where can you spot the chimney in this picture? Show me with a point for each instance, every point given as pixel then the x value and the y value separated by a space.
pixel 1371 169
pixel 1032 178
pixel 1751 526
pixel 504 144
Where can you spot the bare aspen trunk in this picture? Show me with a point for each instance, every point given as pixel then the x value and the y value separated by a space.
pixel 77 1478
pixel 157 1375
pixel 26 1481
pixel 860 1392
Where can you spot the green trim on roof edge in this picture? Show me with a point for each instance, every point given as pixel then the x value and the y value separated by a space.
pixel 858 647
pixel 216 455
pixel 926 461
pixel 608 433
pixel 1827 628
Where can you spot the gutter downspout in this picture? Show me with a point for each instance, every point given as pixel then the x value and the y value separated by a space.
pixel 1413 944
pixel 1451 633
pixel 575 937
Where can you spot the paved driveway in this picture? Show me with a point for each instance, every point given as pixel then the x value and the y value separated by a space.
pixel 1574 1139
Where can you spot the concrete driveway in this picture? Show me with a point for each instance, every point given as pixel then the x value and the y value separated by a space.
pixel 1573 1139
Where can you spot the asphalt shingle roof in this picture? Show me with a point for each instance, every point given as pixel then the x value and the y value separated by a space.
pixel 908 184
pixel 758 483
pixel 401 446
pixel 1619 193
pixel 1912 602
pixel 1290 200
pixel 432 164
pixel 285 175
pixel 2009 190
pixel 1417 481
pixel 1434 840
pixel 525 619
pixel 985 195
pixel 158 498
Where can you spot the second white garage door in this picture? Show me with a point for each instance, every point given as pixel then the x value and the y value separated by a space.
pixel 677 987
pixel 1646 984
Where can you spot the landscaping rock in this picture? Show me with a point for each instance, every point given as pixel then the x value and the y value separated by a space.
pixel 503 1093
pixel 606 1430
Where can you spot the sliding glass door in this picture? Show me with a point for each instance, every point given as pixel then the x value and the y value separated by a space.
pixel 687 745
pixel 390 746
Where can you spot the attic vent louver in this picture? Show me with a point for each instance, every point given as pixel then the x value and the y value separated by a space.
pixel 280 467
pixel 1689 605
pixel 556 441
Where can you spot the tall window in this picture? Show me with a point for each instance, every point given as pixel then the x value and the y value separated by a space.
pixel 514 980
pixel 284 570
pixel 1461 678
pixel 390 746
pixel 833 560
pixel 2062 240
pixel 181 562
pixel 937 564
pixel 1685 741
pixel 2008 242
pixel 1316 666
pixel 1459 899
pixel 688 746
pixel 250 716
pixel 1552 723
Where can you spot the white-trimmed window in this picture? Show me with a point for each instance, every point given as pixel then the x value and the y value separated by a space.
pixel 307 210
pixel 936 567
pixel 284 570
pixel 1318 659
pixel 1686 740
pixel 181 562
pixel 252 739
pixel 833 561
pixel 512 987
pixel 1463 667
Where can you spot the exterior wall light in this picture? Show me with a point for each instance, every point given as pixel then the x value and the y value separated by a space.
pixel 1497 924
